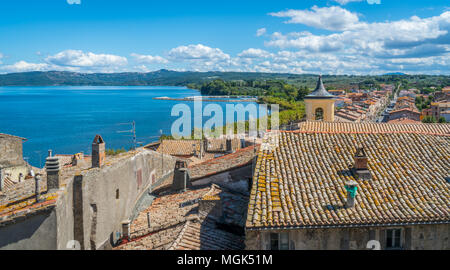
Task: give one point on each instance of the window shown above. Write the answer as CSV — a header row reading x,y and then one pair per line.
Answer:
x,y
319,114
279,241
393,238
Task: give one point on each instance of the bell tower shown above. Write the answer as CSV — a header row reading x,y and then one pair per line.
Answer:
x,y
320,104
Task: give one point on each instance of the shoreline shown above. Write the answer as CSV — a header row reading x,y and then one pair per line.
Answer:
x,y
211,99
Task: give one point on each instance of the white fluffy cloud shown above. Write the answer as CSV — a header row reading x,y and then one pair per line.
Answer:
x,y
77,58
149,59
74,2
261,32
197,52
353,46
330,18
23,66
254,53
374,43
345,2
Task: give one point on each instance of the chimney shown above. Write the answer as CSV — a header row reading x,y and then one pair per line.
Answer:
x,y
351,187
181,176
126,229
53,172
229,146
360,168
1,181
98,152
37,188
202,149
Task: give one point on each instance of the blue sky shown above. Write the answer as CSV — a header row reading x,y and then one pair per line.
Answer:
x,y
301,36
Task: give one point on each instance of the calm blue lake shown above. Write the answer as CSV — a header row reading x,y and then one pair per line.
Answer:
x,y
66,119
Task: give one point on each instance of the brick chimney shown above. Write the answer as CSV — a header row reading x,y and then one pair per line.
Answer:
x,y
53,172
361,168
126,229
98,152
351,187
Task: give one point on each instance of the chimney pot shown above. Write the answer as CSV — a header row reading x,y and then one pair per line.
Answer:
x,y
53,173
181,177
361,168
126,229
37,190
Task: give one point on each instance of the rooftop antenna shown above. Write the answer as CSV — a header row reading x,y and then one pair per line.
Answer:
x,y
132,131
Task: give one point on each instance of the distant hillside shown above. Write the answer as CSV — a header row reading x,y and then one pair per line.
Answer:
x,y
160,77
396,73
195,79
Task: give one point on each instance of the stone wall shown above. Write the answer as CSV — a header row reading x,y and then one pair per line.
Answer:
x,y
415,237
10,151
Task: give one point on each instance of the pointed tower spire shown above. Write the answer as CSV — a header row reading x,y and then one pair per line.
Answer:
x,y
320,91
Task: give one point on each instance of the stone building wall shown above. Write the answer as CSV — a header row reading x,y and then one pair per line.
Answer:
x,y
104,197
10,151
90,206
415,237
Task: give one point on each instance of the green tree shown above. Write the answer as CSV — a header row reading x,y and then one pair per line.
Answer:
x,y
302,93
429,119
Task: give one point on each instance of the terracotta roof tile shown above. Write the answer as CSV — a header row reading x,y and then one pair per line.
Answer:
x,y
300,182
237,159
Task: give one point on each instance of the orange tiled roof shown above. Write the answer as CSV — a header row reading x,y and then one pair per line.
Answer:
x,y
300,182
175,220
220,144
404,121
217,165
211,238
368,127
179,147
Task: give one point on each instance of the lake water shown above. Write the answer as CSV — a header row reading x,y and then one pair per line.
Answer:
x,y
66,119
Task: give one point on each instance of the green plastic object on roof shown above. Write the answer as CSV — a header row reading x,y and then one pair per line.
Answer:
x,y
352,190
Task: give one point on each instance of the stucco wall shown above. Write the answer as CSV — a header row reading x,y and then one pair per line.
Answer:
x,y
109,195
311,105
430,237
30,233
236,179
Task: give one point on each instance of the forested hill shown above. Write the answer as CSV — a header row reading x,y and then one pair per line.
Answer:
x,y
195,79
160,77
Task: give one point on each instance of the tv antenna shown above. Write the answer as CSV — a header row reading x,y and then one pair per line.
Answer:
x,y
132,131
